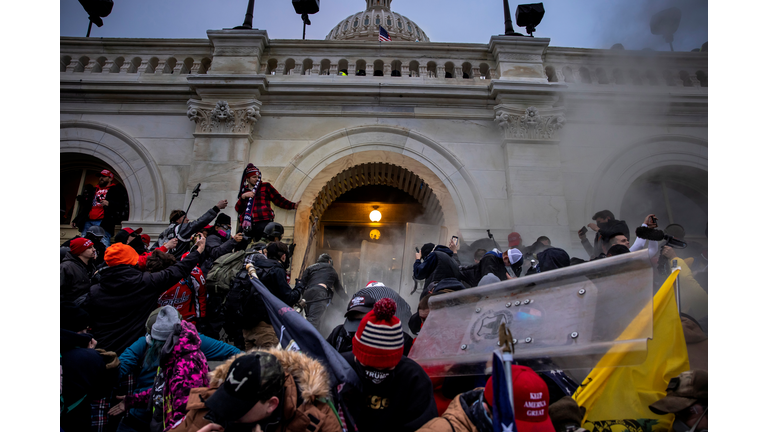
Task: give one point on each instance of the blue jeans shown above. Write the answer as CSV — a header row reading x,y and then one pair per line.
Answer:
x,y
90,223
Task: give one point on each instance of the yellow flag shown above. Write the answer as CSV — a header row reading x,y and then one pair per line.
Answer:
x,y
617,398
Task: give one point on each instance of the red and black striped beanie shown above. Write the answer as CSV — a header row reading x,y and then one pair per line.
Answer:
x,y
378,341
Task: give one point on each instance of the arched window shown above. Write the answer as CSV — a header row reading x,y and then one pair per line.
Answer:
x,y
389,21
367,21
399,24
346,26
378,20
76,171
410,30
355,24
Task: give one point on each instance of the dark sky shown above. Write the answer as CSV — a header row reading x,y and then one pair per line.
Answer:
x,y
570,23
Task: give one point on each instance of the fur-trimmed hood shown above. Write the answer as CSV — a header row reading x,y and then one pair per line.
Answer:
x,y
309,374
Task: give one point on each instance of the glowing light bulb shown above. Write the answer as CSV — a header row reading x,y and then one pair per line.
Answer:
x,y
375,216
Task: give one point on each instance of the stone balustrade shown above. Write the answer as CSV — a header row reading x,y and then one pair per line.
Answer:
x,y
135,56
626,68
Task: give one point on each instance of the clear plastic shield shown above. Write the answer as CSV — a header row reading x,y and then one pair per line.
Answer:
x,y
377,264
570,317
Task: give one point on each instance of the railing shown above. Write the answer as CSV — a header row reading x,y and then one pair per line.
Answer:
x,y
626,68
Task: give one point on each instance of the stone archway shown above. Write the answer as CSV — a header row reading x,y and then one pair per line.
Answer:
x,y
127,156
383,174
626,165
306,175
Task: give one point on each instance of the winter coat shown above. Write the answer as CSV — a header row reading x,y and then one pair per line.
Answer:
x,y
125,296
302,407
403,402
323,273
85,377
184,368
185,231
489,263
272,275
459,417
437,265
215,247
132,359
74,277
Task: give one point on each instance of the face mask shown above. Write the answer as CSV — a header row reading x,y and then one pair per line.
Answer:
x,y
223,233
376,376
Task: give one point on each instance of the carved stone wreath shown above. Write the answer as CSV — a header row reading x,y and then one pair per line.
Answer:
x,y
528,125
223,119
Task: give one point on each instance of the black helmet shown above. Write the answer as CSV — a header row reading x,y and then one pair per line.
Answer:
x,y
274,229
97,231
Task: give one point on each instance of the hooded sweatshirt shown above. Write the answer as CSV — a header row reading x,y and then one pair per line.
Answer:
x,y
125,296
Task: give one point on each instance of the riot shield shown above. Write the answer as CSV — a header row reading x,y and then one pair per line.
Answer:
x,y
376,264
570,317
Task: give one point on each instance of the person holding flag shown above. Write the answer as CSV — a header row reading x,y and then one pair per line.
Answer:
x,y
253,209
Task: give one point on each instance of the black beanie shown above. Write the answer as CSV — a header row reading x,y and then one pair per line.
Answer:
x,y
223,219
427,249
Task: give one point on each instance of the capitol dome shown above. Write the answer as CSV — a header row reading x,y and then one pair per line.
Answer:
x,y
365,25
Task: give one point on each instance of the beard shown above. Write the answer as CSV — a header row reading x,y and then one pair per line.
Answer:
x,y
103,184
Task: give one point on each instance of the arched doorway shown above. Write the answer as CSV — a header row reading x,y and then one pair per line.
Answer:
x,y
677,195
367,246
76,171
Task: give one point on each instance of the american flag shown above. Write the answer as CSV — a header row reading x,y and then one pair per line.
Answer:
x,y
383,35
503,411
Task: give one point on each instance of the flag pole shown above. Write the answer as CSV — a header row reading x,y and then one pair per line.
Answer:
x,y
507,351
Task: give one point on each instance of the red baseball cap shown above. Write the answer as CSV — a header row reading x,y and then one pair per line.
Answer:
x,y
145,239
514,239
79,245
135,232
531,400
107,173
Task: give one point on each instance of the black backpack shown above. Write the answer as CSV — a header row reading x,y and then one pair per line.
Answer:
x,y
240,304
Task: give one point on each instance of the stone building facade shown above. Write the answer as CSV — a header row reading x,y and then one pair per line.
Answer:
x,y
512,135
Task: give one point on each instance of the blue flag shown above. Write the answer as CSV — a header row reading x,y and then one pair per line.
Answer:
x,y
296,333
503,412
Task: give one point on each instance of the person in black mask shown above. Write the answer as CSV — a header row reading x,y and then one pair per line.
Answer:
x,y
605,225
396,393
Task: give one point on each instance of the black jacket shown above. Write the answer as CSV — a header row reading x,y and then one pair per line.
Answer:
x,y
403,402
215,247
116,212
322,273
84,373
437,265
184,232
125,296
74,277
272,275
85,200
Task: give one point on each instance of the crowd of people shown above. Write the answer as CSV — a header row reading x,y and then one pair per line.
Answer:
x,y
173,336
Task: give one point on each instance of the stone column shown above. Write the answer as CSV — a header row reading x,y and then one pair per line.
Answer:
x,y
534,181
519,58
225,111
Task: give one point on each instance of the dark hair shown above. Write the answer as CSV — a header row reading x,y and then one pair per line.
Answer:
x,y
604,214
177,214
276,249
617,249
575,260
159,261
324,258
543,238
612,236
479,254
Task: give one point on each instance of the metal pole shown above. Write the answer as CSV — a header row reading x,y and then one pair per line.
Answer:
x,y
90,24
304,34
508,29
677,287
248,23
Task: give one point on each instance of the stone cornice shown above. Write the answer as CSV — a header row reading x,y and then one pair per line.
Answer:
x,y
238,42
222,118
